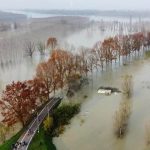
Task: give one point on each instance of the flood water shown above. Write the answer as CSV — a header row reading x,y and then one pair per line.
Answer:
x,y
15,66
92,128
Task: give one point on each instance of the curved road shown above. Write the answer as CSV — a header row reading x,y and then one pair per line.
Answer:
x,y
28,135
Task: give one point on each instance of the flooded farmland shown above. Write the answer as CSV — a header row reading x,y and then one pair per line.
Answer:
x,y
92,128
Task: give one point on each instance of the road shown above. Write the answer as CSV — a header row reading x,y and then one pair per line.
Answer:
x,y
28,135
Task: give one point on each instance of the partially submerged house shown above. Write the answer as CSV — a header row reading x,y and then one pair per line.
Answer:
x,y
104,91
107,90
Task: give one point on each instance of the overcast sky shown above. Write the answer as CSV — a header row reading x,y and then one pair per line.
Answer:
x,y
76,4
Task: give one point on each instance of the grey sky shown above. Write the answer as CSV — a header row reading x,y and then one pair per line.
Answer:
x,y
76,4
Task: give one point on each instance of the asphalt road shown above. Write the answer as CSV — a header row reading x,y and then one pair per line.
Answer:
x,y
28,135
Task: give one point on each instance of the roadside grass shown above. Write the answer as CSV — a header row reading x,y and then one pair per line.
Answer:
x,y
62,116
42,141
7,145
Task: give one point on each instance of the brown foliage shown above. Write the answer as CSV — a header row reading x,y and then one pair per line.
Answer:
x,y
19,99
52,42
47,74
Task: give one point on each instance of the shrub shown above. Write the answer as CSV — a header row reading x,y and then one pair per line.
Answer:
x,y
3,132
64,113
62,116
48,123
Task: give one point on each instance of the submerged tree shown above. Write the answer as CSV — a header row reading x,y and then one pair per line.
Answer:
x,y
121,118
147,134
29,48
108,50
64,66
127,85
52,43
41,48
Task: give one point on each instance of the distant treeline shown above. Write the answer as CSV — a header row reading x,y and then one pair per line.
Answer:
x,y
5,16
109,13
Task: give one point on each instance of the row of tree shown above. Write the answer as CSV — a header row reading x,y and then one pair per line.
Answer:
x,y
114,47
20,99
30,47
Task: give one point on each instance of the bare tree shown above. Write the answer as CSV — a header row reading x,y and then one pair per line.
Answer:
x,y
127,85
29,48
121,118
41,48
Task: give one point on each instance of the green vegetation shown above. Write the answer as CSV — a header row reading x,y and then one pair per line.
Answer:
x,y
64,113
62,116
53,127
48,123
7,145
3,132
147,54
42,141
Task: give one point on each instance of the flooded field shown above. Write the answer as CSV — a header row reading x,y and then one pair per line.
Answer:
x,y
72,35
92,128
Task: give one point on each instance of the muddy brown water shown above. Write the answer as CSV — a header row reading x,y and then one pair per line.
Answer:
x,y
92,128
15,66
